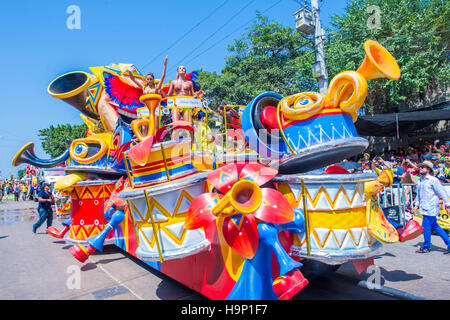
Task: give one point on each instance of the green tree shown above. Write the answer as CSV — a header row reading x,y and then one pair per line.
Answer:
x,y
416,32
268,57
20,173
54,139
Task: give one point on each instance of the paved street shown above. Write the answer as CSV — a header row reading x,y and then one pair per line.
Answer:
x,y
37,266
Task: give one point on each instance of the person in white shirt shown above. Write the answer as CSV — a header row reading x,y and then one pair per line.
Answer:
x,y
429,191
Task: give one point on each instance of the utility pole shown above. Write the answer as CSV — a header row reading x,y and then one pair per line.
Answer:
x,y
309,22
319,36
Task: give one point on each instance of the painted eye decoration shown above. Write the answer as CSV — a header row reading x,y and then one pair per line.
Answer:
x,y
81,150
301,106
91,149
301,103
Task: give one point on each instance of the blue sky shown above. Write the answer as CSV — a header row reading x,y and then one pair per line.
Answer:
x,y
37,47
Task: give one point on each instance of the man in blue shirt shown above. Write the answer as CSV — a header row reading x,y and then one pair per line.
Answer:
x,y
429,191
398,171
45,208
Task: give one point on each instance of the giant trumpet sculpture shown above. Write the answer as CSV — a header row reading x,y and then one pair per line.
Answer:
x,y
314,130
26,155
72,88
348,90
151,101
245,197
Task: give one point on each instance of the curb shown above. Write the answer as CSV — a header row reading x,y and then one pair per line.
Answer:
x,y
387,291
391,292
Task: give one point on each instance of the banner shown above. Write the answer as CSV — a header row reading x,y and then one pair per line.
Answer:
x,y
393,213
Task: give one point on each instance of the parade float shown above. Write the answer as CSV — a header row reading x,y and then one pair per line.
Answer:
x,y
234,229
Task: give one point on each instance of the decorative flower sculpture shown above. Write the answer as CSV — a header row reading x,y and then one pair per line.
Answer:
x,y
242,203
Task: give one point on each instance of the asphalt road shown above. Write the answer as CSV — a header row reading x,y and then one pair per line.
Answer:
x,y
37,266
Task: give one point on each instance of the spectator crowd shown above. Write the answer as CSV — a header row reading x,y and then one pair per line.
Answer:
x,y
405,162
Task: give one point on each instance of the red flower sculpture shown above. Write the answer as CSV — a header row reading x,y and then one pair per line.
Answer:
x,y
242,203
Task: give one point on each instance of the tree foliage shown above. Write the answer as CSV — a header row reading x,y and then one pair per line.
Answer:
x,y
271,57
414,31
20,173
54,139
268,57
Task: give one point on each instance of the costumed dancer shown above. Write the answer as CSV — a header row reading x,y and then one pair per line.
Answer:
x,y
150,87
234,134
181,87
204,138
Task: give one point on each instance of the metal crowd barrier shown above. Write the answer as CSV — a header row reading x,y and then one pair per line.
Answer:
x,y
394,197
400,196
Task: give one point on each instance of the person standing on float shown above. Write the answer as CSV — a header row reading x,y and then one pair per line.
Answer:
x,y
181,87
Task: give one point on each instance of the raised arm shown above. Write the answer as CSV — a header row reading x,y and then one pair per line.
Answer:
x,y
132,78
171,89
161,81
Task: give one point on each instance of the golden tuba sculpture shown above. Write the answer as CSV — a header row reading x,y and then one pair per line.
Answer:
x,y
348,89
144,128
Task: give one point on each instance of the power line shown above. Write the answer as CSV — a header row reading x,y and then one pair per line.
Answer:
x,y
186,33
215,32
235,30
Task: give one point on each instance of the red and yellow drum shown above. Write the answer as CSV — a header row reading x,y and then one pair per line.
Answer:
x,y
87,219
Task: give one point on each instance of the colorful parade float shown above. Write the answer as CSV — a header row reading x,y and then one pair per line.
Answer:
x,y
242,225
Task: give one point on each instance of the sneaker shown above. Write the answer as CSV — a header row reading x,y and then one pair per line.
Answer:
x,y
34,229
423,250
447,252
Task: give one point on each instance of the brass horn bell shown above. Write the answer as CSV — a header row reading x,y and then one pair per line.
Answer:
x,y
26,155
378,63
245,197
72,88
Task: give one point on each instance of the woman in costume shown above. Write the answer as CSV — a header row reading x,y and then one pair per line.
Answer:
x,y
150,87
181,87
